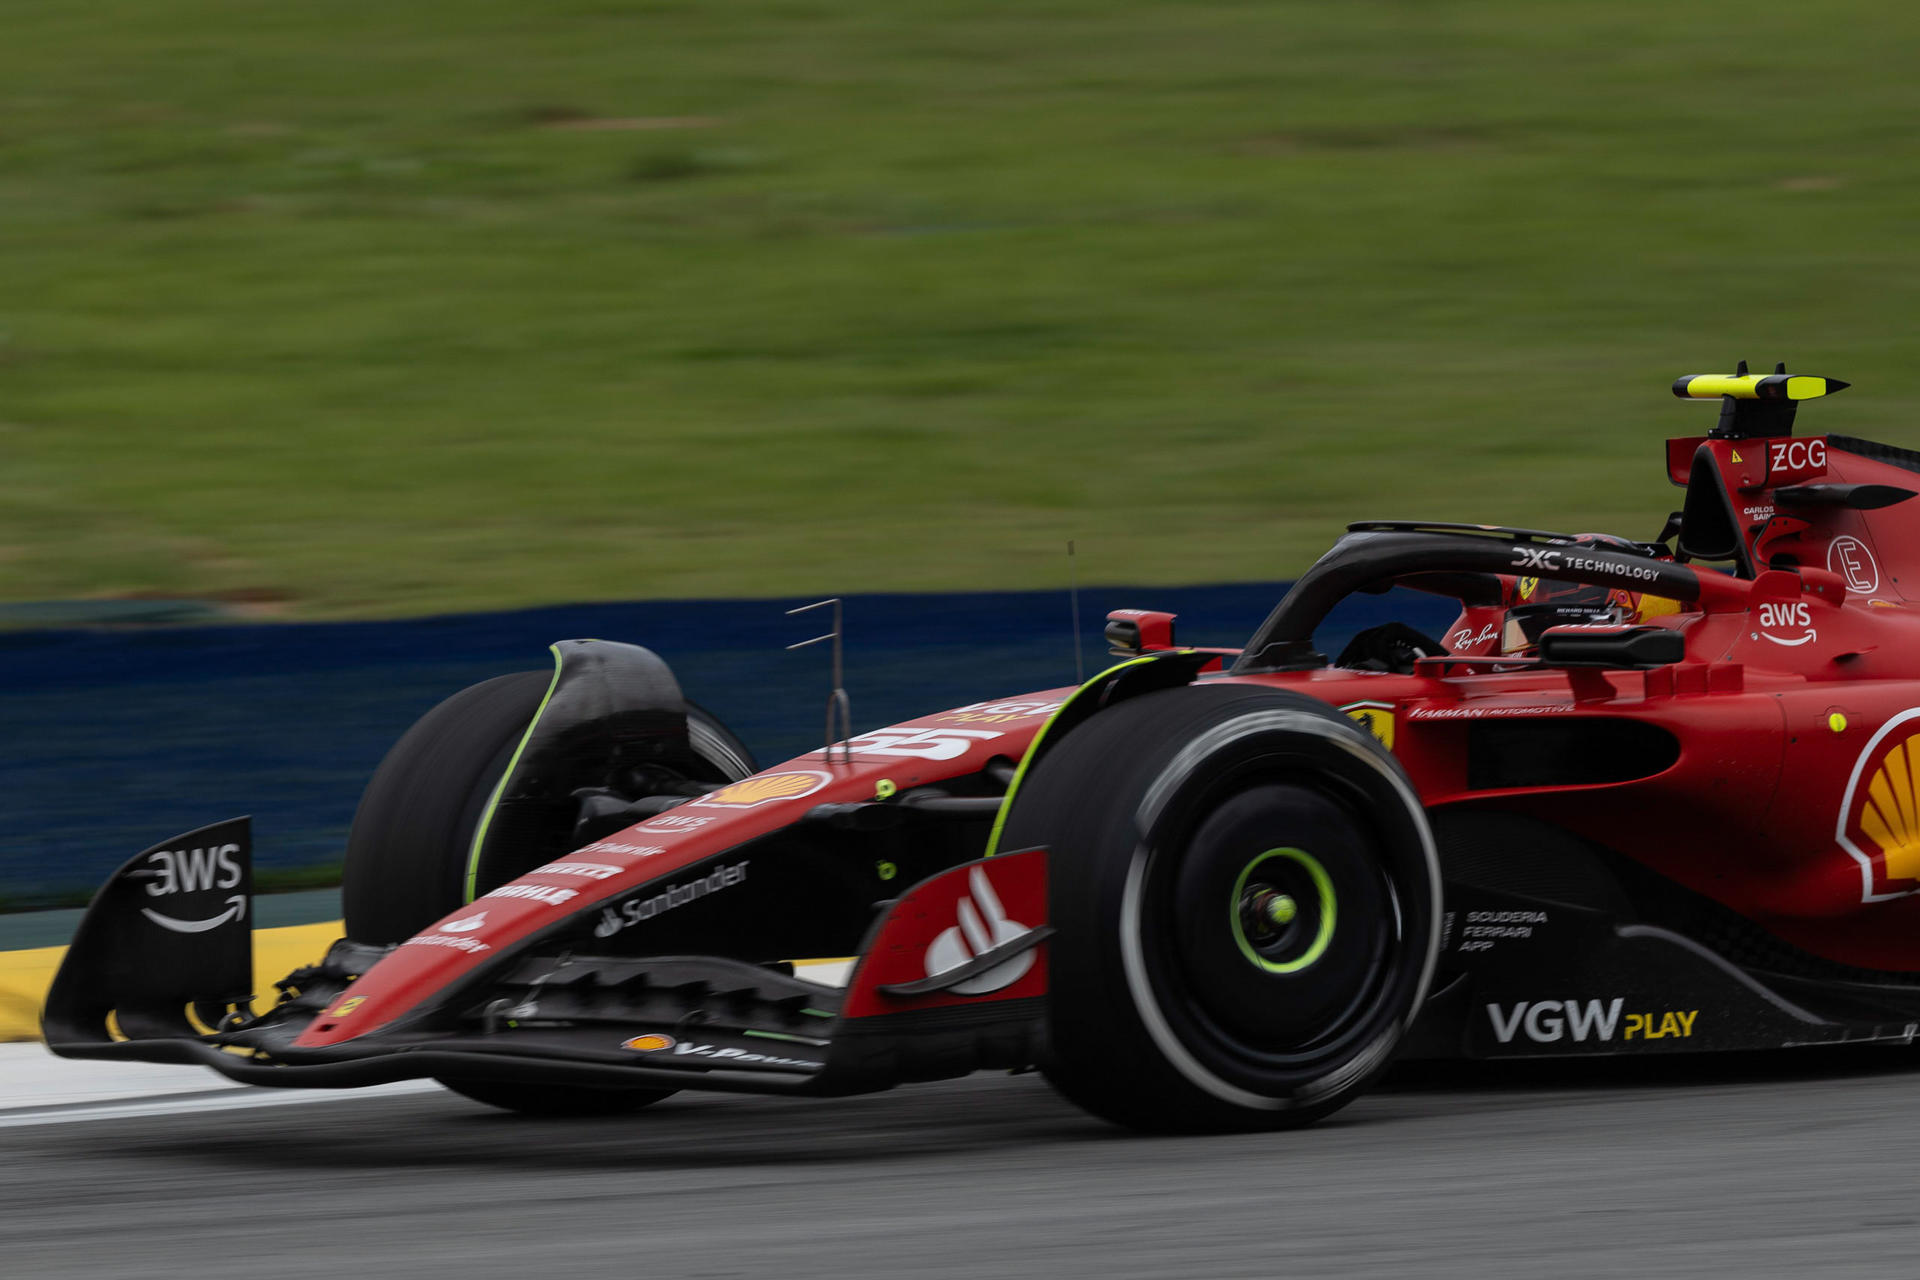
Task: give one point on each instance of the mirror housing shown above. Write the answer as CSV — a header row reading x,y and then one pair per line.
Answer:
x,y
1132,632
1628,647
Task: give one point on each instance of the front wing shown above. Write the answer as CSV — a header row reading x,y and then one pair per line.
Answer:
x,y
951,979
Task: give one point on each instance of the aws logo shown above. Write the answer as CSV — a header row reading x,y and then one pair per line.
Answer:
x,y
1793,619
1879,823
192,871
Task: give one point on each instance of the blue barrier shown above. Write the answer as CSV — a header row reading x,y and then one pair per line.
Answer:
x,y
114,739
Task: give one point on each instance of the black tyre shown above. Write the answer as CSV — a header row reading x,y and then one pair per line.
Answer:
x,y
1247,905
407,853
556,1100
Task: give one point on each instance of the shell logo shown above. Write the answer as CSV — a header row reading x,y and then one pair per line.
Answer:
x,y
764,789
653,1042
1880,813
1890,813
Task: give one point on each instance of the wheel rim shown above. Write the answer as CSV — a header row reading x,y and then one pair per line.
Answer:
x,y
1274,928
1273,952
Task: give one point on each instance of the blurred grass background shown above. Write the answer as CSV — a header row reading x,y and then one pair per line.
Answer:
x,y
366,309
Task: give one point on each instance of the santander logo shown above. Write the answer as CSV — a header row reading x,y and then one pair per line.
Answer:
x,y
466,924
983,925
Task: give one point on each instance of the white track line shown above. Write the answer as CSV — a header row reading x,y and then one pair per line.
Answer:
x,y
237,1097
38,1088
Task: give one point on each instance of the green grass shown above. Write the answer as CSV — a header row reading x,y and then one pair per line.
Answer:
x,y
340,307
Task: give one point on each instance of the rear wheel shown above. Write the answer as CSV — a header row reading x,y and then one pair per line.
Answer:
x,y
1246,901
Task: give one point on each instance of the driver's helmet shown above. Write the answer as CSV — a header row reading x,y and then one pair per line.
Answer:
x,y
1534,604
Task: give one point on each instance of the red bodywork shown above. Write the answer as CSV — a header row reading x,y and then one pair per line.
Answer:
x,y
875,764
1791,800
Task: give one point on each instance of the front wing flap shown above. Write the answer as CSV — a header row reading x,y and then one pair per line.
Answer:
x,y
952,979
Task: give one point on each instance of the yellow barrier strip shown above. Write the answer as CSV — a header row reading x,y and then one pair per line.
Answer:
x,y
26,975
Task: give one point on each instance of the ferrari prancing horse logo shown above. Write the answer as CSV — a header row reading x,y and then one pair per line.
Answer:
x,y
1375,717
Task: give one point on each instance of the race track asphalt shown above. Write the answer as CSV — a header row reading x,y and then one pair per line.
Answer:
x,y
1742,1170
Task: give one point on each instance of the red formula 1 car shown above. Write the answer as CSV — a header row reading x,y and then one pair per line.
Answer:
x,y
1629,804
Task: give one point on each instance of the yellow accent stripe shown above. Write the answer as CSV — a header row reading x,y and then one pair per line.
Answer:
x,y
26,975
499,788
1020,774
1753,386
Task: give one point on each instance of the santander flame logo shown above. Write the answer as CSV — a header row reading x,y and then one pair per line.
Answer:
x,y
983,926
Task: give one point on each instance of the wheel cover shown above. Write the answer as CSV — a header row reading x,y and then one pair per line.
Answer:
x,y
1284,978
1267,910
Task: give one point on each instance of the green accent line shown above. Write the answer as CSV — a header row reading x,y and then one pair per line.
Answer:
x,y
781,1035
819,1013
1321,881
499,788
1033,748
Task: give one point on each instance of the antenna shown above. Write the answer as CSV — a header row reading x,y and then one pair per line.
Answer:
x,y
1073,603
838,704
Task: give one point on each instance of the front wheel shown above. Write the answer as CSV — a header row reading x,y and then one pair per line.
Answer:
x,y
1246,901
408,853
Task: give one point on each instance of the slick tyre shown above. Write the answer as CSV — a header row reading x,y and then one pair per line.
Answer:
x,y
1246,901
407,852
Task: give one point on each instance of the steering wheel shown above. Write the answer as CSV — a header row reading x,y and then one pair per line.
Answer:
x,y
1391,646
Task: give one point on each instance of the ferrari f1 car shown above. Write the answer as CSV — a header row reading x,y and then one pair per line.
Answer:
x,y
1643,797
